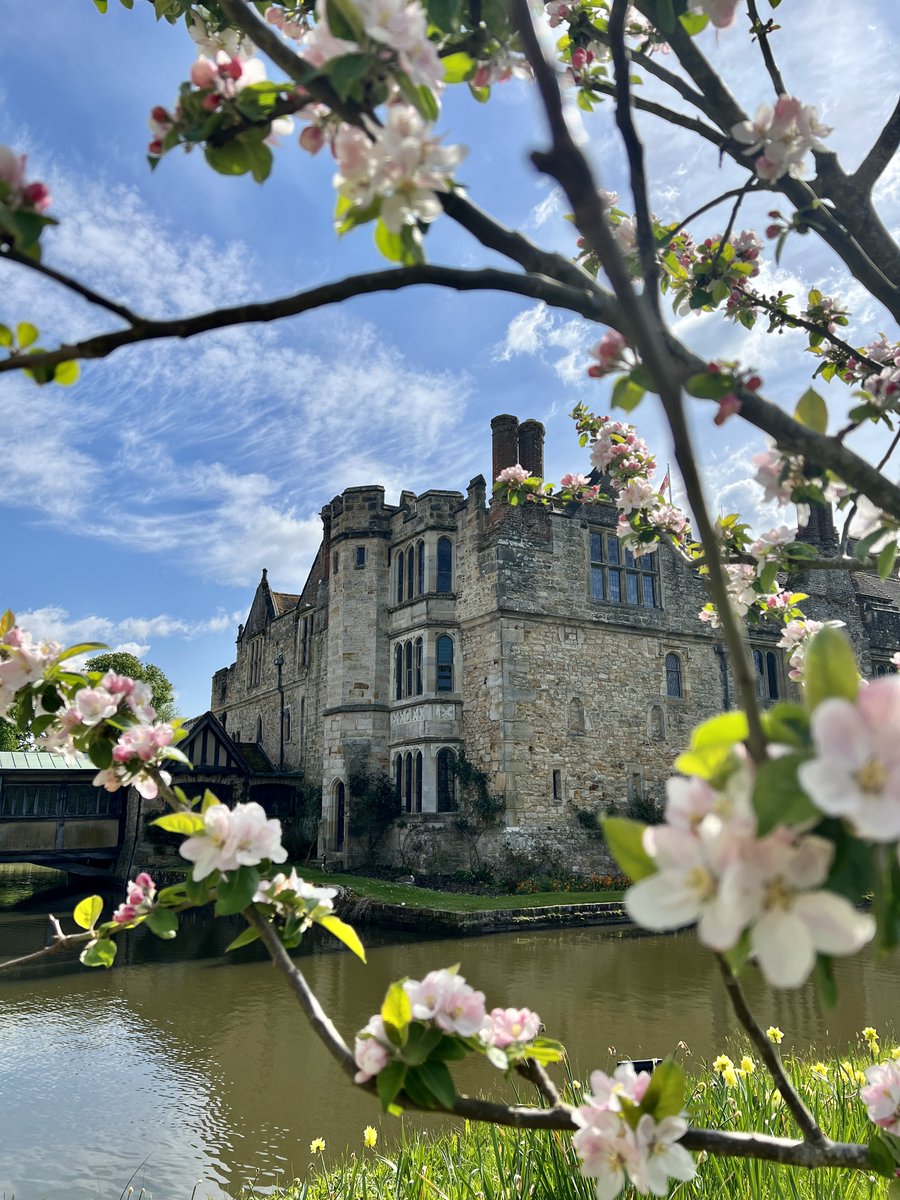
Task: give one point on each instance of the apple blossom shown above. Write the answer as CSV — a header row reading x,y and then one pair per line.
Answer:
x,y
139,897
659,1156
516,474
281,890
720,12
856,771
881,1095
372,1050
232,838
445,998
784,134
512,1026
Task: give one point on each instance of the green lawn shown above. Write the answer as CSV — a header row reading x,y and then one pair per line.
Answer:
x,y
416,897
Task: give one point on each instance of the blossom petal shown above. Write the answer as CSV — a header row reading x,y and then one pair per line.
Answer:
x,y
783,946
835,926
663,901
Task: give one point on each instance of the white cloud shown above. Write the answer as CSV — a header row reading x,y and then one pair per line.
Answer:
x,y
131,634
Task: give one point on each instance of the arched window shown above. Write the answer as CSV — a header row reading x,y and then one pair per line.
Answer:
x,y
410,572
398,779
576,715
408,788
398,671
418,667
772,674
400,561
340,814
444,565
760,673
420,568
224,720
417,807
446,780
259,729
444,661
674,682
409,669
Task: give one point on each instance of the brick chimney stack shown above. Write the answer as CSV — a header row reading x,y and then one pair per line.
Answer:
x,y
504,443
531,447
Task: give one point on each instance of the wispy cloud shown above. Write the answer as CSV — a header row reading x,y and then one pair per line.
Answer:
x,y
134,634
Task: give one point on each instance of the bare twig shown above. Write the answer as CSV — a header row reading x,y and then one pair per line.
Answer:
x,y
854,507
723,240
646,239
812,1134
653,67
61,941
120,310
883,150
762,34
705,208
532,1070
694,124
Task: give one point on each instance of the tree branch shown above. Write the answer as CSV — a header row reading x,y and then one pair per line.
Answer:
x,y
61,941
812,1134
645,238
566,163
590,303
883,150
666,114
10,255
698,212
758,27
649,64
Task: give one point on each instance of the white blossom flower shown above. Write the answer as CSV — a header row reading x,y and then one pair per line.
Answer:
x,y
232,838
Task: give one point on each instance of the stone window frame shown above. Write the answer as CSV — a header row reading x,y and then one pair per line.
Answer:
x,y
409,668
557,785
360,558
882,666
256,659
444,565
259,729
612,567
768,670
674,669
445,797
410,572
444,672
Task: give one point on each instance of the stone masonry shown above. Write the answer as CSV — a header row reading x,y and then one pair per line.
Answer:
x,y
519,636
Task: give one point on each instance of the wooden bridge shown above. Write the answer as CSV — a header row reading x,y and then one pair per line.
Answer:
x,y
52,815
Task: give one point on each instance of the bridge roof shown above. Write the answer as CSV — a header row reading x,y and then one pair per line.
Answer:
x,y
40,760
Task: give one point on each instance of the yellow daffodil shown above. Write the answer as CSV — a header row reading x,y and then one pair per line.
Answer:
x,y
895,1052
775,1098
774,1034
748,1066
820,1070
317,1146
730,1076
370,1136
871,1037
722,1064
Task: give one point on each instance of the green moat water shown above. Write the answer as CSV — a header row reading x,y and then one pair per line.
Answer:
x,y
188,1068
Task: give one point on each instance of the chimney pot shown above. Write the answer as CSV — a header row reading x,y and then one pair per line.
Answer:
x,y
531,447
504,443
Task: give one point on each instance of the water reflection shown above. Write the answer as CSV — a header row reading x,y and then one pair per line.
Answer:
x,y
203,1069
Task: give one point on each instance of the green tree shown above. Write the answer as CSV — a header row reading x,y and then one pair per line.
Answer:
x,y
162,691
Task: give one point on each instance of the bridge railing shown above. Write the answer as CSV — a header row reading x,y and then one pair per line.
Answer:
x,y
62,800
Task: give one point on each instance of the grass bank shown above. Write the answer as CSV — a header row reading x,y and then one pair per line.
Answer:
x,y
482,1162
416,897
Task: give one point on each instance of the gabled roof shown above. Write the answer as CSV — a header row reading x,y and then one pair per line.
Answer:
x,y
283,602
210,748
40,760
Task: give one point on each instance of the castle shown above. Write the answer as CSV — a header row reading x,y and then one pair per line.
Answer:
x,y
528,639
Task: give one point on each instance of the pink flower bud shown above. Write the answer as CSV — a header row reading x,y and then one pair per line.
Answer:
x,y
124,913
772,231
579,58
203,74
312,139
159,114
211,102
231,69
135,897
275,15
482,76
37,195
753,384
144,881
728,406
775,214
155,147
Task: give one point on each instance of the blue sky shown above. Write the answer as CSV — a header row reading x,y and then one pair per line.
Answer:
x,y
139,506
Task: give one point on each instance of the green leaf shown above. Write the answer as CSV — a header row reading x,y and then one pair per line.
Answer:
x,y
725,730
390,245
259,156
197,890
483,94
343,21
812,411
546,1050
420,1043
231,159
6,337
458,67
396,1012
830,668
389,1083
81,648
886,560
778,797
709,385
27,334
348,71
187,823
881,1156
100,754
163,922
788,724
344,933
87,912
886,903
415,1089
694,23
101,5
66,373
209,801
101,953
235,893
243,939
439,1082
625,839
853,872
627,394
664,1096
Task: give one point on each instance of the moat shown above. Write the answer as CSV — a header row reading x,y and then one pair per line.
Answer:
x,y
186,1073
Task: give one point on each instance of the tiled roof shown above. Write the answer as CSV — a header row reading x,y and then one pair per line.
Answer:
x,y
40,760
868,584
283,602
